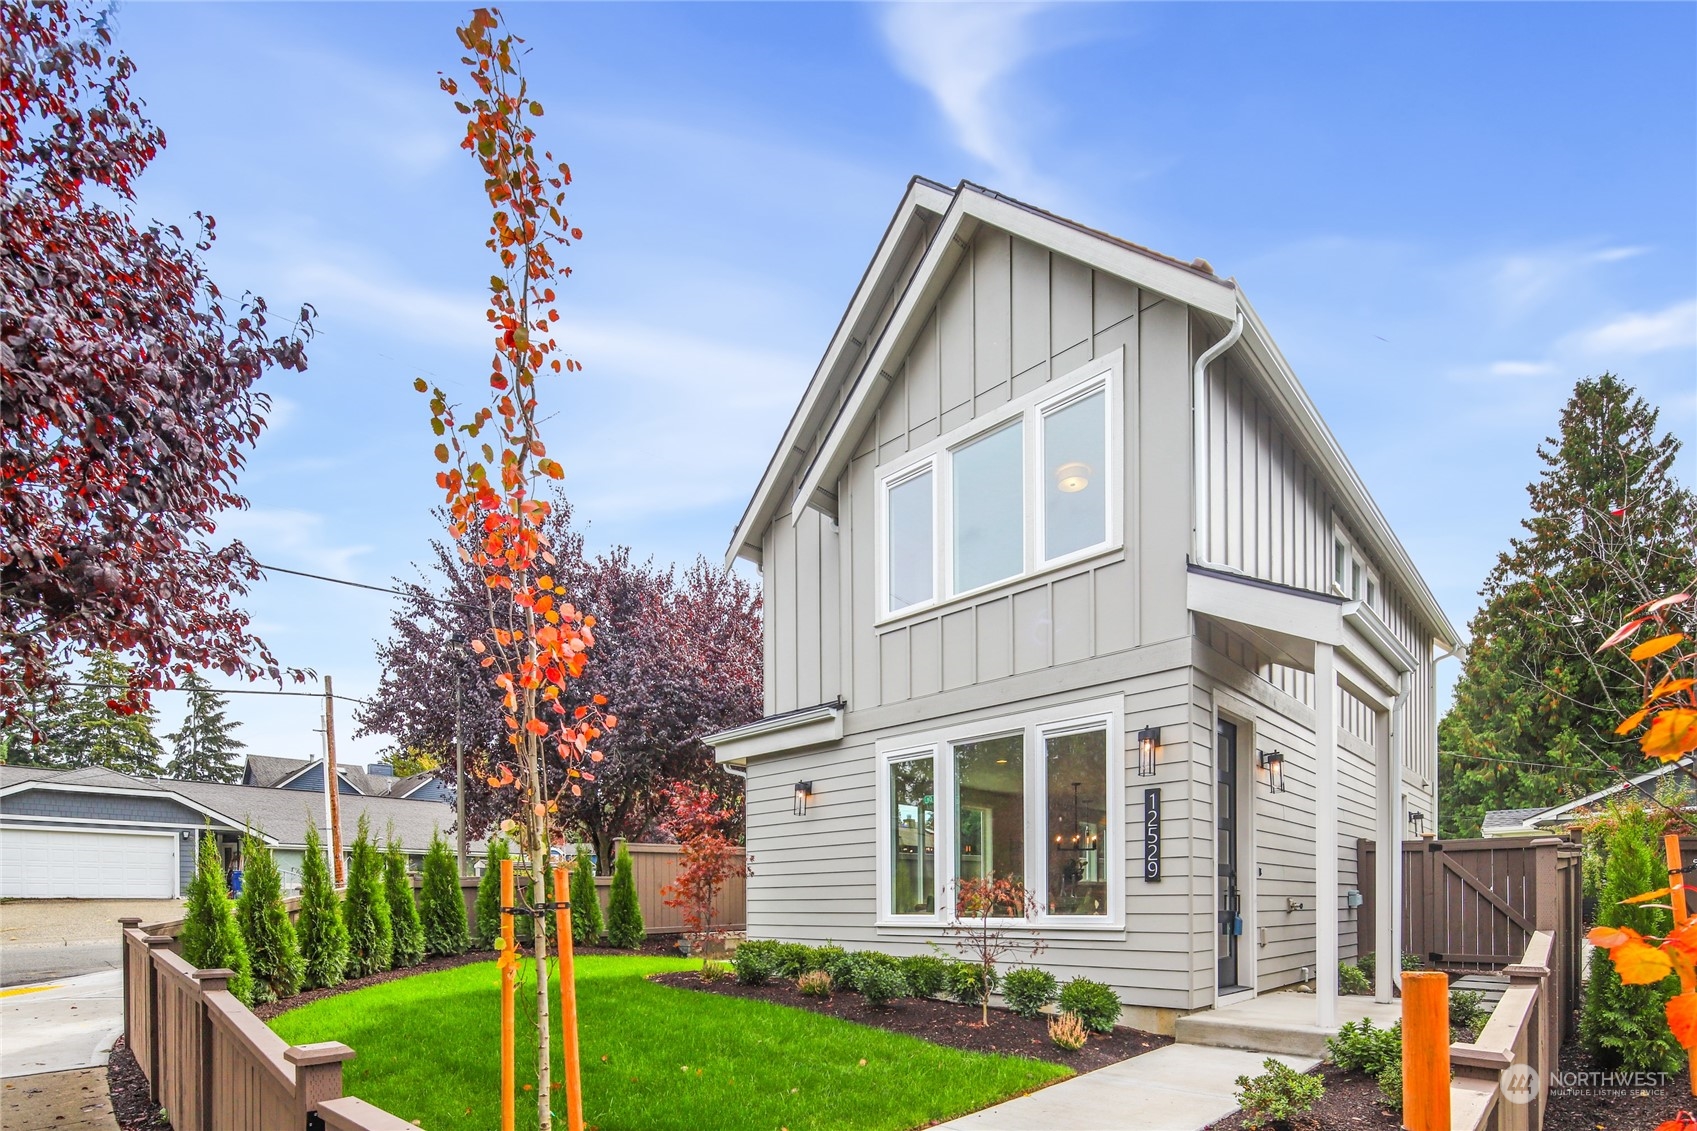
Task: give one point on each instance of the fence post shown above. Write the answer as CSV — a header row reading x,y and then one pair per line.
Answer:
x,y
1545,1033
208,981
125,925
1426,1050
154,943
318,1075
1546,899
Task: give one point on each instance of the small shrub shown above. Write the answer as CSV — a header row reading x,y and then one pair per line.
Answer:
x,y
489,893
1096,1005
323,936
792,959
1467,1008
1352,981
403,909
1029,989
1412,961
814,983
844,968
441,903
210,938
828,958
1368,964
1360,1047
624,914
926,975
1390,1085
586,905
1067,1032
713,970
880,984
756,962
968,982
1278,1096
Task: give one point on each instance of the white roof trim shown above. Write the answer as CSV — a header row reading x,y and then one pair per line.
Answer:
x,y
1687,763
792,730
125,791
921,196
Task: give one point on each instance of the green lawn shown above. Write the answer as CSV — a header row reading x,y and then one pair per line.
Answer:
x,y
654,1057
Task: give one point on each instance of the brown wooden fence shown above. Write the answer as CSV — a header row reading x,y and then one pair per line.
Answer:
x,y
1525,1029
214,1066
1475,905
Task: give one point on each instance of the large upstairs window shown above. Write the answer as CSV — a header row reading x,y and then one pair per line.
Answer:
x,y
1031,486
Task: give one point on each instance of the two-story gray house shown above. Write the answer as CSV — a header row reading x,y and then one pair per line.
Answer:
x,y
1067,581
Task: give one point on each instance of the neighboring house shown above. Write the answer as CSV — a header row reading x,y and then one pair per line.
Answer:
x,y
1673,784
374,780
94,833
1006,636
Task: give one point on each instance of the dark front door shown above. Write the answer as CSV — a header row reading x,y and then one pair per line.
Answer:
x,y
1225,855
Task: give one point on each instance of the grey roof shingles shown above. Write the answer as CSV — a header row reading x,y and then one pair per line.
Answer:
x,y
1509,818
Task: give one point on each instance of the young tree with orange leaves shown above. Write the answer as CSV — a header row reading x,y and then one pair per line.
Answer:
x,y
536,641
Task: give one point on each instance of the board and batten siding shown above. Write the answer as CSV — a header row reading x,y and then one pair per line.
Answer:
x,y
1012,317
814,876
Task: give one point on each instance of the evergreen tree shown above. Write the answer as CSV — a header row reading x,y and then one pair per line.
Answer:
x,y
210,939
323,935
365,910
624,912
1534,713
96,734
403,908
1625,1027
205,749
489,893
40,733
274,955
441,901
586,905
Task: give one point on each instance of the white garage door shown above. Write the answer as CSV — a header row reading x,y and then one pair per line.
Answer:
x,y
62,864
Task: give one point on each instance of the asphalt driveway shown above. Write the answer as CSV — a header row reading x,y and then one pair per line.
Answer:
x,y
43,939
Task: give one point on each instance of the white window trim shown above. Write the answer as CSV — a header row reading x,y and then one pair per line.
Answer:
x,y
1108,372
939,744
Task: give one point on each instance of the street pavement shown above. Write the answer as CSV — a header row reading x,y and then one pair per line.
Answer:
x,y
69,1023
44,939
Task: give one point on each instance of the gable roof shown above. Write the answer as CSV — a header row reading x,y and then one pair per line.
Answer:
x,y
854,375
1646,784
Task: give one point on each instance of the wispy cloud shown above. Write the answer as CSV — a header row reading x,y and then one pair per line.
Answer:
x,y
1524,281
962,55
1521,369
290,537
1636,334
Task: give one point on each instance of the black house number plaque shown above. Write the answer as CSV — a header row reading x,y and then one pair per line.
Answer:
x,y
1151,835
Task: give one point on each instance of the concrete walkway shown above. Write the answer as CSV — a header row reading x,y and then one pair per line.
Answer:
x,y
58,1101
61,1025
1176,1088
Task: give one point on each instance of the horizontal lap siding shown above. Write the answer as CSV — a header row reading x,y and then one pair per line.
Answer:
x,y
815,875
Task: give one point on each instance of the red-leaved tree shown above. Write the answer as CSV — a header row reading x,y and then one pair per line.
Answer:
x,y
128,400
982,931
698,819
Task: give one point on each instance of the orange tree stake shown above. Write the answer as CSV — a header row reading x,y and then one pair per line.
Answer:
x,y
568,1003
508,964
1426,1051
1676,892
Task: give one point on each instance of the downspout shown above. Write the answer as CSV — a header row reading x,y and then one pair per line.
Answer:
x,y
1199,441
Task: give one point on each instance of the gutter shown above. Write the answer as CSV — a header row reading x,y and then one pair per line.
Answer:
x,y
1199,443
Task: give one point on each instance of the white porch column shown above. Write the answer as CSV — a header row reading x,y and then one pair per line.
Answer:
x,y
1326,834
1387,879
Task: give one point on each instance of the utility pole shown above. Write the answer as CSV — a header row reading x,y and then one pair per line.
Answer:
x,y
331,781
459,776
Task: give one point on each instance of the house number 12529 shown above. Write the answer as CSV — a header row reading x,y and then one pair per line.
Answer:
x,y
1151,835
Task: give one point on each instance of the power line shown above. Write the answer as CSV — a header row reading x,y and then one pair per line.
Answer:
x,y
223,691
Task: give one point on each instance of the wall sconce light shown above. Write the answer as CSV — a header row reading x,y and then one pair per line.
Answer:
x,y
1417,819
1072,477
1273,761
1148,742
803,790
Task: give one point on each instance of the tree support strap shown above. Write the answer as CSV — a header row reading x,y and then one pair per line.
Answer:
x,y
539,909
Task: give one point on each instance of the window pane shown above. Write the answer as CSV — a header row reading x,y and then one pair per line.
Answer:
x,y
911,572
989,509
1076,768
1075,487
990,809
913,833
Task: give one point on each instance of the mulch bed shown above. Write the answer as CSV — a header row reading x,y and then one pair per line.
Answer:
x,y
128,1084
1352,1103
1598,1108
943,1022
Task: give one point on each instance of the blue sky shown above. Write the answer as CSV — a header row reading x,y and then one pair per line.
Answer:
x,y
1445,213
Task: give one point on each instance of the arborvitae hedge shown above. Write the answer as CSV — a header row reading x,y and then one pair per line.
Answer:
x,y
274,954
586,906
441,904
371,934
489,894
323,936
624,913
210,938
403,909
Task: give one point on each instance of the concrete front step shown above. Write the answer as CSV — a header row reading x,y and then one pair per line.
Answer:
x,y
1277,1023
